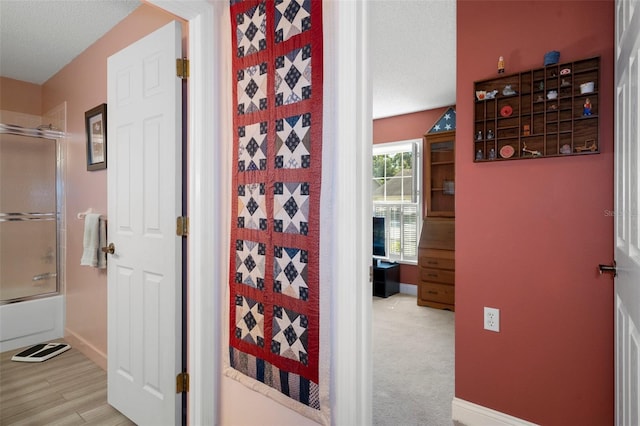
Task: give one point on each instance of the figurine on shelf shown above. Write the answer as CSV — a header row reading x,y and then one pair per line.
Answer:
x,y
565,149
526,130
508,91
586,110
479,155
492,154
479,135
501,65
489,134
533,152
492,94
593,147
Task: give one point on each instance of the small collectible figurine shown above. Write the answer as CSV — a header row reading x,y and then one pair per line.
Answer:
x,y
492,94
501,65
508,91
587,107
533,152
489,134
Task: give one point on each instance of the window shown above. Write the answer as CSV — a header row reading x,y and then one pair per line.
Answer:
x,y
396,196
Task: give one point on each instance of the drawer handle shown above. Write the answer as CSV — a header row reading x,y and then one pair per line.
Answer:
x,y
432,292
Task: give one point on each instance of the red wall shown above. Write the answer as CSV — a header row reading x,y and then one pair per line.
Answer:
x,y
400,128
530,234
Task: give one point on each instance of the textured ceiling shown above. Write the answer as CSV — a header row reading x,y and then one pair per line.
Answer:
x,y
413,55
412,45
40,37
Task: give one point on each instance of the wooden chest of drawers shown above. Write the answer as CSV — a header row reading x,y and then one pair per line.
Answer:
x,y
436,264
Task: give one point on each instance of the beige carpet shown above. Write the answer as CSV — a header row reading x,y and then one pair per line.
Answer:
x,y
413,361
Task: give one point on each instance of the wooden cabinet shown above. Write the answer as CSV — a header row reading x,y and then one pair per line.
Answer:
x,y
545,112
440,173
436,263
436,249
386,279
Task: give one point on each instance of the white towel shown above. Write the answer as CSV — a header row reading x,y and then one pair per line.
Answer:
x,y
102,242
91,241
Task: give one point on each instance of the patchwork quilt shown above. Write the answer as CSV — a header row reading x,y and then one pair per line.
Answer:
x,y
274,286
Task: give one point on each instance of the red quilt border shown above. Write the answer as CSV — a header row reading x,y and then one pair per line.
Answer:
x,y
312,175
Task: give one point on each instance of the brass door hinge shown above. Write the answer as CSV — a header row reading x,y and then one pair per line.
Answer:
x,y
182,226
182,68
182,382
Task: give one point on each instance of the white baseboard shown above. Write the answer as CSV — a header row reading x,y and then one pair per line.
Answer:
x,y
409,289
470,414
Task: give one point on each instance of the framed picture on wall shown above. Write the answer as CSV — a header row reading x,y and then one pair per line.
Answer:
x,y
95,121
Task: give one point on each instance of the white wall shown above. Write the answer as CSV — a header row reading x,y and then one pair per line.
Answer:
x,y
240,406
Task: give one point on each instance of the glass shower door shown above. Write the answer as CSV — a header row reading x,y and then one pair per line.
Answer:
x,y
28,217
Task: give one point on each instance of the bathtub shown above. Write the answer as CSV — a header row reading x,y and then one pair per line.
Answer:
x,y
30,322
32,234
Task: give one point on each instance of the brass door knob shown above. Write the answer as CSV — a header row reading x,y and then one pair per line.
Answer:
x,y
109,249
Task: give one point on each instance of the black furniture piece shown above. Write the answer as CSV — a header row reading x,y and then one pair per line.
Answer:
x,y
386,279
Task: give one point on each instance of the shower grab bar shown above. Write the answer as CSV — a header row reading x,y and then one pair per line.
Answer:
x,y
44,276
17,217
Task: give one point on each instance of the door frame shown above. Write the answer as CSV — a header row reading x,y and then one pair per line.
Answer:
x,y
348,91
626,311
348,124
206,222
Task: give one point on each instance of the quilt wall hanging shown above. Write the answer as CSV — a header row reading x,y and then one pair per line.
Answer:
x,y
274,312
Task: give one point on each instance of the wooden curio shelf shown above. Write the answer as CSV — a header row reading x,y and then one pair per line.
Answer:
x,y
544,112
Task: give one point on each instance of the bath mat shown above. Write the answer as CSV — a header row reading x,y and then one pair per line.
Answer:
x,y
41,352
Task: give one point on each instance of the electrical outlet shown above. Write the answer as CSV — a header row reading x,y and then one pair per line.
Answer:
x,y
492,319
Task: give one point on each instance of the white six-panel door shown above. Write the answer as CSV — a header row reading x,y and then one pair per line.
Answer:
x,y
144,199
627,213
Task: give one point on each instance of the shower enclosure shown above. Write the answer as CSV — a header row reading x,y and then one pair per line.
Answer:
x,y
29,230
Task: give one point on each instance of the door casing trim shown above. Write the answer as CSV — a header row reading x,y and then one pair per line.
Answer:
x,y
210,113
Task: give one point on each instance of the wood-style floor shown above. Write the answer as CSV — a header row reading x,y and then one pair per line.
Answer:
x,y
68,389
